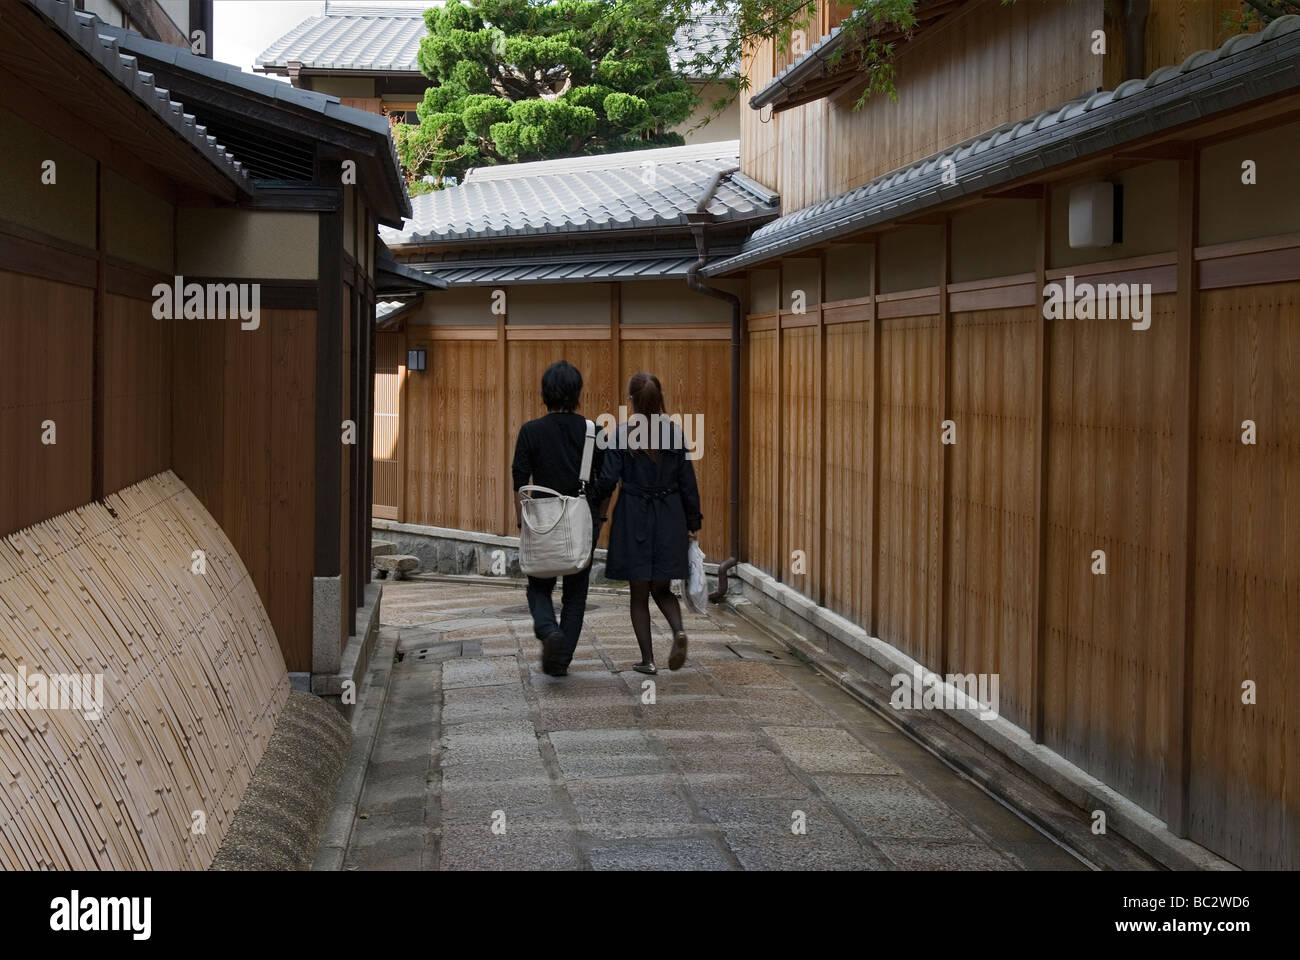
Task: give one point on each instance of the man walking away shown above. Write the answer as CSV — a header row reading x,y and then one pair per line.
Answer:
x,y
548,453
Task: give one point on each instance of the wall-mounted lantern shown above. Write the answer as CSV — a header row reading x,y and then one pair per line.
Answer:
x,y
415,360
1096,215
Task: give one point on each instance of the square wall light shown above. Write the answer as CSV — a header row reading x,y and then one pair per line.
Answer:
x,y
415,360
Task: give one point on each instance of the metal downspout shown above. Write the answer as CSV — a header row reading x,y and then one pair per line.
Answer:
x,y
698,222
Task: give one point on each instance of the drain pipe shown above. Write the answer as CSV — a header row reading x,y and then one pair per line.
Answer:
x,y
698,221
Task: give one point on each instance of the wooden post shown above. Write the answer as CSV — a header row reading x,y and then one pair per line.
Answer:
x,y
1183,534
403,422
873,463
329,378
945,450
615,343
1042,414
99,389
506,526
818,591
778,465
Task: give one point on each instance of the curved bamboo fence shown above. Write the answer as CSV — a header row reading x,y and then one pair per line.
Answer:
x,y
193,681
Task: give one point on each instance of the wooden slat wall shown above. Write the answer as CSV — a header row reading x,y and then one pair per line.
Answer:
x,y
390,373
695,380
174,736
46,360
988,64
1178,28
454,450
458,465
848,414
1245,759
760,476
798,444
138,391
907,550
1104,671
989,535
255,389
1110,487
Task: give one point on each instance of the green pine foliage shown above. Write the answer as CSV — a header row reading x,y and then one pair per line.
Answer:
x,y
521,80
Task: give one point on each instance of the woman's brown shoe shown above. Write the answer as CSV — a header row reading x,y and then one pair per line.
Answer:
x,y
678,655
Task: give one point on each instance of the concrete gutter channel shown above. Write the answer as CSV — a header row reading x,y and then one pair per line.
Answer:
x,y
372,696
1041,786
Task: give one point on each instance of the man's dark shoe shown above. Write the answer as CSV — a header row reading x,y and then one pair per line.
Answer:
x,y
552,654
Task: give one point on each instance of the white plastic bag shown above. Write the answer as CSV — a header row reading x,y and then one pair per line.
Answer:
x,y
696,589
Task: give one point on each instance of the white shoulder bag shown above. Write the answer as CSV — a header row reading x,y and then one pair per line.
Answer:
x,y
555,535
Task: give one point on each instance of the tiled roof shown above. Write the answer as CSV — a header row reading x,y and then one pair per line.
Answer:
x,y
706,35
248,83
583,270
594,259
1246,68
83,30
799,70
386,308
620,191
387,39
380,38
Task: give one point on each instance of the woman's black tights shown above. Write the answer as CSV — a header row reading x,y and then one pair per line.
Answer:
x,y
642,591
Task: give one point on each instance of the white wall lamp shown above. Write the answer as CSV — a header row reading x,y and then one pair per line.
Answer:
x,y
1096,215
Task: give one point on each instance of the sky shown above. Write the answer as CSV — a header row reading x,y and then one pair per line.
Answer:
x,y
242,29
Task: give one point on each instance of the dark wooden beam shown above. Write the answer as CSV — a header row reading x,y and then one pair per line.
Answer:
x,y
1042,431
946,451
99,389
1026,191
329,384
1182,584
152,21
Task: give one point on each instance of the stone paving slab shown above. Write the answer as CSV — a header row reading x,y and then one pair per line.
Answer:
x,y
662,855
482,762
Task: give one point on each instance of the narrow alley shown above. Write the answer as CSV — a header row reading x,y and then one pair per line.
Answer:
x,y
744,759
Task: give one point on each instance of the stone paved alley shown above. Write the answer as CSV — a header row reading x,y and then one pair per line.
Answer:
x,y
579,773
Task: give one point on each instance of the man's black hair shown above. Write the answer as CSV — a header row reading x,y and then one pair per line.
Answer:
x,y
561,386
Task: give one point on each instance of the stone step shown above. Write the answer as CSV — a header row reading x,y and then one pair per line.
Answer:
x,y
399,564
382,548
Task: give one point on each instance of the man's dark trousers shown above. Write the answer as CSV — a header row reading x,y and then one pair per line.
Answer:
x,y
573,606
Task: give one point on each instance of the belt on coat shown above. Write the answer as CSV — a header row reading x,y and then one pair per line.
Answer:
x,y
649,493
649,497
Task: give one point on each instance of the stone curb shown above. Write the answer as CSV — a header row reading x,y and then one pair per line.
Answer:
x,y
367,714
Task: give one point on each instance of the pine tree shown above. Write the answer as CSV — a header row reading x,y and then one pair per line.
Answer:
x,y
519,80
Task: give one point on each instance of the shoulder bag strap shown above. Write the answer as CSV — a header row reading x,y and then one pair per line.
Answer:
x,y
584,475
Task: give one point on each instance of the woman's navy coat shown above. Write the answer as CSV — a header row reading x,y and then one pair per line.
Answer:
x,y
658,503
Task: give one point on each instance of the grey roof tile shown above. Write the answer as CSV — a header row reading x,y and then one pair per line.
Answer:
x,y
388,39
667,267
375,39
638,189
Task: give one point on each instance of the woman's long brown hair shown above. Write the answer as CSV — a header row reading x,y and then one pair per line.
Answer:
x,y
647,395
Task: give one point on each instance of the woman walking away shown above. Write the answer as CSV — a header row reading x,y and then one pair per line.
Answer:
x,y
657,513
548,452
